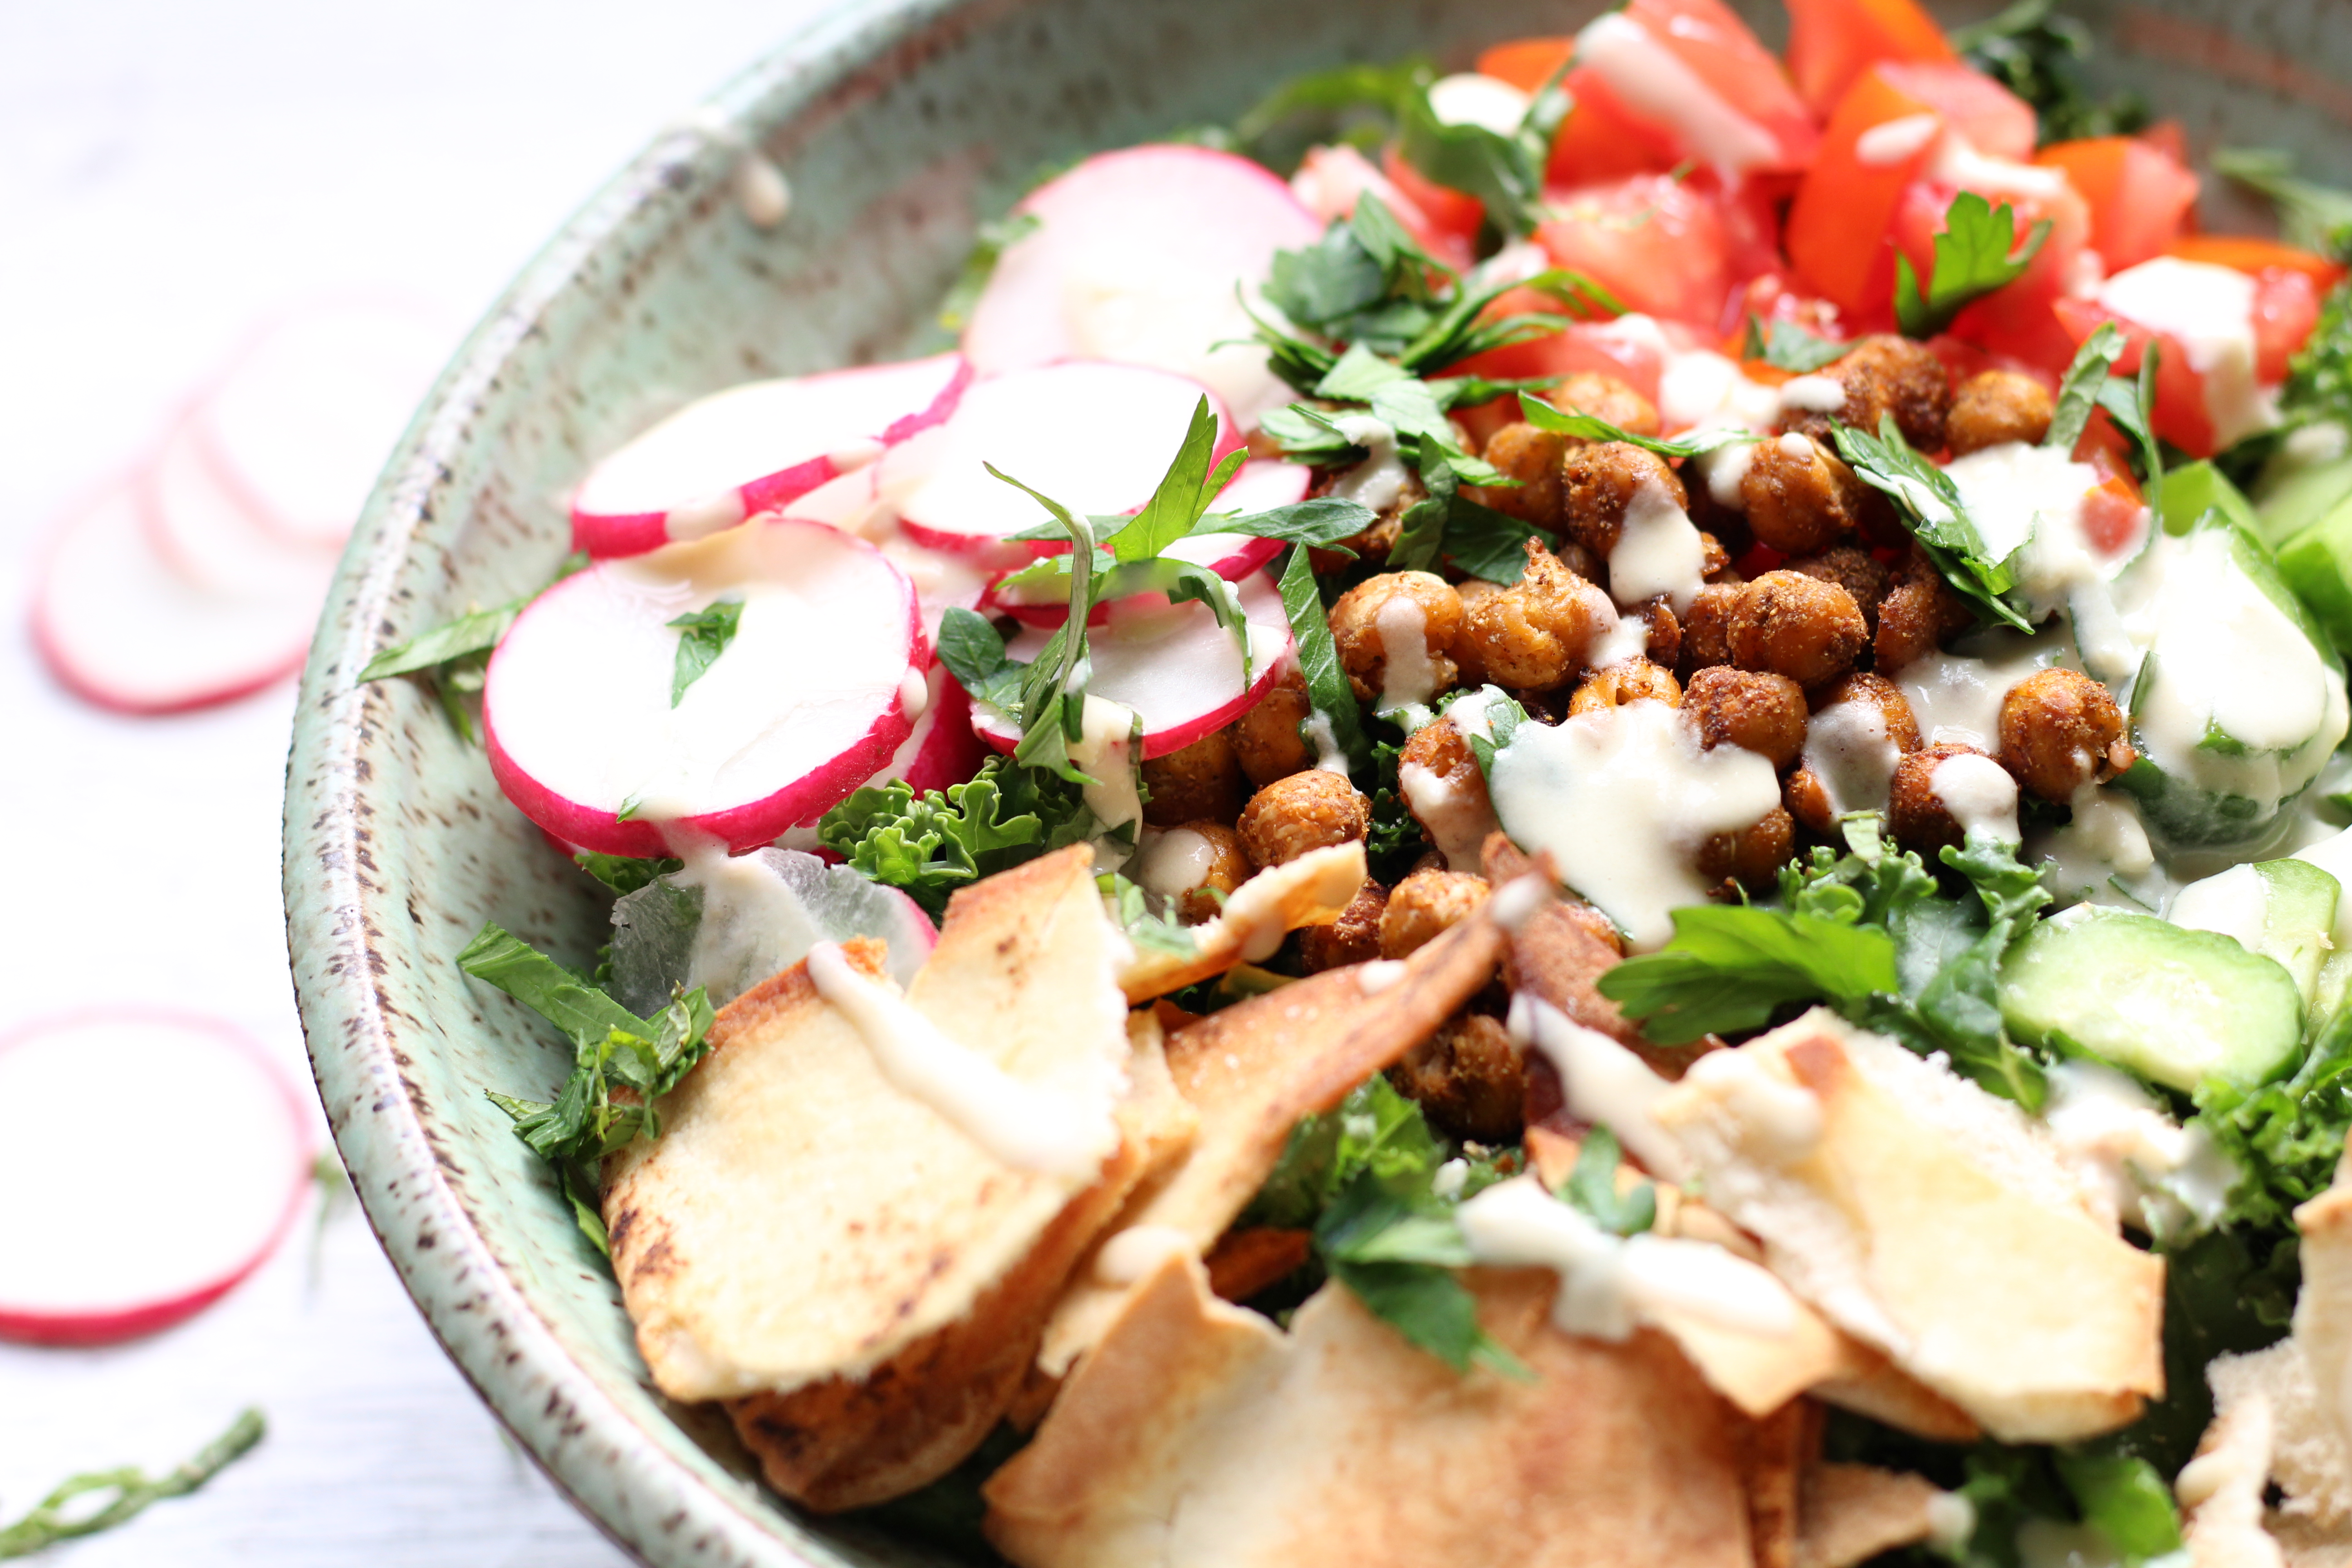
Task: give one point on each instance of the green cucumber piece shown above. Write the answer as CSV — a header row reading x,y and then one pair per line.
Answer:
x,y
2291,498
2283,910
2194,491
2317,562
2176,1006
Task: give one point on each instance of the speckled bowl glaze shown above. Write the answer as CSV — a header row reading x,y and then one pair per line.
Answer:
x,y
898,126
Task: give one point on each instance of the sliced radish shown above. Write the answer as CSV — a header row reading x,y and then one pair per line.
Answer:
x,y
1179,670
181,1180
207,534
1143,255
1260,485
303,420
943,750
117,628
1095,436
816,690
756,448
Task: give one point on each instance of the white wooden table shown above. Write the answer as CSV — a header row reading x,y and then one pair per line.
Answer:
x,y
168,174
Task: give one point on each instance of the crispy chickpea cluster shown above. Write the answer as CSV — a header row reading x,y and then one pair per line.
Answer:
x,y
1885,374
1305,811
1997,406
1535,633
1599,482
1418,611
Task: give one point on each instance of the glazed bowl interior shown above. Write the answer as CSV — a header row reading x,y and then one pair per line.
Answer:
x,y
899,128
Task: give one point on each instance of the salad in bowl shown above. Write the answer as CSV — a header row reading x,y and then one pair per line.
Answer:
x,y
1589,812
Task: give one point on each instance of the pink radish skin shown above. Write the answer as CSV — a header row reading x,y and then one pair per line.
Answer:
x,y
942,750
1086,284
1095,436
756,448
1179,670
121,630
818,689
121,1226
206,534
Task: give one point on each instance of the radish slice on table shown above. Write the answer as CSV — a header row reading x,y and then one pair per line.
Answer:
x,y
819,686
756,448
206,534
117,628
128,1221
1086,284
302,422
1095,436
1179,670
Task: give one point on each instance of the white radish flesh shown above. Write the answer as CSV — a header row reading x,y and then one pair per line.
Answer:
x,y
1173,665
206,533
756,448
119,628
1095,436
1143,255
817,688
192,1159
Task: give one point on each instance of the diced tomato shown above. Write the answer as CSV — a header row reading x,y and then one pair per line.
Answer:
x,y
1656,243
2244,253
2169,137
1526,63
1995,120
1581,346
1708,37
2180,416
1331,179
1601,139
2286,307
1451,214
2110,514
1844,210
1831,42
1773,296
2137,195
1963,360
2015,320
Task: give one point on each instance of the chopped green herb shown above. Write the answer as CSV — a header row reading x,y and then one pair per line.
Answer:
x,y
1791,346
2125,1499
1592,1186
455,657
1929,505
1504,172
702,636
2032,49
1356,104
1977,252
1592,428
1159,933
622,873
1329,697
929,846
2086,378
987,247
55,1518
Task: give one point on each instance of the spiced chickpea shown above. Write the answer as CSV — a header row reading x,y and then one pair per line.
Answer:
x,y
1628,680
1388,523
1469,668
1353,938
1535,633
1424,905
1707,628
1202,780
1754,709
1206,857
1469,1078
1801,499
1916,813
1796,625
1753,856
1446,790
1606,397
1805,795
1309,810
1266,739
1663,645
1417,610
1599,482
1532,456
1995,407
2059,730
1884,373
1914,619
1854,569
1714,559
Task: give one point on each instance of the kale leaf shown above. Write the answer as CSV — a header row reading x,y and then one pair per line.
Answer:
x,y
1004,816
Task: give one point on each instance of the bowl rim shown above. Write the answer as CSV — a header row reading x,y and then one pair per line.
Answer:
x,y
649,1502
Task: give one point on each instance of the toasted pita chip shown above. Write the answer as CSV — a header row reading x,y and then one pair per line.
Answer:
x,y
1199,1436
2221,1490
1308,891
1774,1453
1252,1070
2323,1311
1929,1220
1850,1513
1244,1262
864,1279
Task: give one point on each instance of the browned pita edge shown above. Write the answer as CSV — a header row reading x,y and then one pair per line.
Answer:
x,y
2323,1311
1244,1262
1308,891
1196,1435
1928,1221
2270,1426
1850,1513
1774,1451
1251,1071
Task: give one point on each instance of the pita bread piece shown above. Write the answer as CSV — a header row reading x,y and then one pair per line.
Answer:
x,y
1930,1221
1199,1436
1308,891
1850,1513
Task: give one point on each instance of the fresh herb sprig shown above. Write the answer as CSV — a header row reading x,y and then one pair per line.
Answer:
x,y
1789,346
1929,504
1977,252
2034,50
2311,217
1504,170
702,636
453,658
1592,1186
1592,428
56,1518
1330,699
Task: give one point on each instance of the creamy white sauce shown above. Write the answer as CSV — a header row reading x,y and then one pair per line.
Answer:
x,y
1780,1122
1317,732
1377,481
1106,752
1956,697
1658,551
2105,840
1448,1180
1377,974
1458,819
1812,395
1979,793
1848,749
1063,1129
1624,798
1408,675
1655,85
1469,99
1138,1249
2151,1170
1893,141
1615,637
914,693
2210,312
1171,864
1725,469
2027,502
1603,1083
2234,903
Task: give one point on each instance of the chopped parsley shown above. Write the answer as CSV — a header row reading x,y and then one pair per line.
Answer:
x,y
1929,504
2086,380
1977,252
1592,428
2034,50
453,658
702,636
1506,173
1331,699
1790,346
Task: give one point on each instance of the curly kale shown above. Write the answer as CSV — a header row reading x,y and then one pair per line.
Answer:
x,y
1004,816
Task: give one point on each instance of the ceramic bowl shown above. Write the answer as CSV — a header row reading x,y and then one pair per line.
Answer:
x,y
898,124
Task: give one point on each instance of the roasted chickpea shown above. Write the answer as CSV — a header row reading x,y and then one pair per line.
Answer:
x,y
1606,397
1418,611
1204,858
1628,680
1806,795
1664,643
1917,814
1753,856
1707,628
1353,938
1883,373
1914,619
1202,780
1469,669
1532,457
1446,790
1425,904
1266,741
1801,499
1995,407
1599,482
2059,730
1468,1079
1754,709
1717,560
1309,810
1535,633
1796,625
1373,543
1854,569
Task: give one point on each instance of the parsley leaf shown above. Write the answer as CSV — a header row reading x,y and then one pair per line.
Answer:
x,y
1791,346
1504,172
702,636
2125,1499
1592,1186
1592,428
1977,252
1332,699
1728,968
453,658
1132,908
2312,216
1929,505
1354,104
2086,379
928,847
975,654
2031,49
2132,405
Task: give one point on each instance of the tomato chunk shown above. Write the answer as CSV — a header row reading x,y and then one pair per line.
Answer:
x,y
1601,140
1831,42
2180,412
1840,223
1995,120
1656,243
1453,215
1717,46
2286,308
2137,194
2244,253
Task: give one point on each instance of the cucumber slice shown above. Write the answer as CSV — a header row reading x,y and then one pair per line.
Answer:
x,y
2291,498
2283,910
2317,562
2174,1006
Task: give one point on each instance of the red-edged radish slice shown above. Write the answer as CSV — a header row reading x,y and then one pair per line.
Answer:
x,y
119,628
205,531
1172,663
1095,436
942,750
303,420
1260,485
756,448
816,690
181,1180
1087,285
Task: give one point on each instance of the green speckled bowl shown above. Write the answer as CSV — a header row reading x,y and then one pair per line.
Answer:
x,y
898,126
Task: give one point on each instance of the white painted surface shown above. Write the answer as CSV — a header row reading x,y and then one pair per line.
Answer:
x,y
169,175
